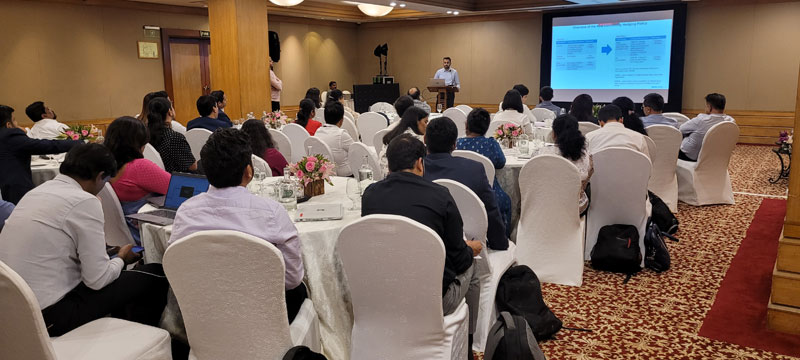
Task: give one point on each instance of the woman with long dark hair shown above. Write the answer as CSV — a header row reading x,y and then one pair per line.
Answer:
x,y
581,108
262,145
305,116
171,145
413,122
629,118
512,109
571,145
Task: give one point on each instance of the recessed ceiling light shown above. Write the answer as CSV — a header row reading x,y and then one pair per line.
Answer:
x,y
449,12
455,13
402,5
392,3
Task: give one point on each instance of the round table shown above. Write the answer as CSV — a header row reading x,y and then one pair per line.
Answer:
x,y
43,170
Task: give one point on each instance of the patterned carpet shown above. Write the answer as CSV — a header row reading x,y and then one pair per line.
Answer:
x,y
658,316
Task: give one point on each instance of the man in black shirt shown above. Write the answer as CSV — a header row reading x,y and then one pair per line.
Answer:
x,y
404,192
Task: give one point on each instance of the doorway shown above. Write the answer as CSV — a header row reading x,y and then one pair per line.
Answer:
x,y
186,70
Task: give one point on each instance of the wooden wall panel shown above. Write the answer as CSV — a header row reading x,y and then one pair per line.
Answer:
x,y
757,127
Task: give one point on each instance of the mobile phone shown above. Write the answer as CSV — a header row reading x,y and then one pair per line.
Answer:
x,y
137,249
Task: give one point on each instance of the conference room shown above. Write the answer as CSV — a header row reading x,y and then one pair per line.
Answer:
x,y
394,179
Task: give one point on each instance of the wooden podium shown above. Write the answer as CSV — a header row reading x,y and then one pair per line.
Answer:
x,y
442,93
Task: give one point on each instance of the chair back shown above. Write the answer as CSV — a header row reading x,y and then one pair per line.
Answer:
x,y
114,225
473,216
297,136
488,167
23,334
395,286
663,180
586,127
350,126
377,140
369,124
348,116
550,230
261,165
619,193
324,97
150,153
282,142
382,107
715,153
315,146
465,108
680,118
543,114
357,153
458,117
230,288
196,139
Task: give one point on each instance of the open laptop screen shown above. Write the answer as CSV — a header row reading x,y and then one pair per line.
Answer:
x,y
183,186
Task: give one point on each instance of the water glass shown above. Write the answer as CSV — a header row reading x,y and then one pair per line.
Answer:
x,y
523,145
439,108
354,193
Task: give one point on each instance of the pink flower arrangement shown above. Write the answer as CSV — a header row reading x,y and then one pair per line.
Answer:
x,y
276,119
80,132
508,131
316,167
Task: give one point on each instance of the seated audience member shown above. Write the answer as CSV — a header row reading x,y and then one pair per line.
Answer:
x,y
306,115
477,125
581,108
338,96
523,91
571,145
440,138
45,125
629,117
545,97
137,178
16,150
337,138
207,107
406,193
227,164
332,85
695,129
262,146
5,211
414,94
400,105
54,240
653,107
513,110
314,94
174,124
222,102
171,145
614,134
413,122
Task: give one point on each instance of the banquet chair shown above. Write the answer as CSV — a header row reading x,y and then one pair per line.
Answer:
x,y
348,116
319,114
196,139
282,143
324,97
458,117
114,225
315,146
350,126
545,115
357,153
707,181
231,290
382,107
586,127
150,153
377,140
297,136
368,124
550,230
395,281
466,109
663,180
23,333
680,118
619,193
491,264
488,166
260,165
495,124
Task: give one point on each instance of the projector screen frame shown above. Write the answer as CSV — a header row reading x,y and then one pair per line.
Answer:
x,y
678,47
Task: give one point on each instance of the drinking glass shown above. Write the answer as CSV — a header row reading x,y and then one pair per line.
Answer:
x,y
439,108
354,193
523,145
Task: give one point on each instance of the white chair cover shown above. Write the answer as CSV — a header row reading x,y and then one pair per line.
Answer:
x,y
319,114
150,153
23,334
230,288
396,290
543,114
347,115
358,151
368,124
707,181
458,117
316,146
377,140
495,124
488,167
196,139
619,193
324,97
282,143
464,108
663,180
586,127
350,126
297,136
381,106
114,225
550,231
261,165
680,118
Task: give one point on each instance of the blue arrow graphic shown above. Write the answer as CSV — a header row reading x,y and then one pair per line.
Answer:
x,y
606,49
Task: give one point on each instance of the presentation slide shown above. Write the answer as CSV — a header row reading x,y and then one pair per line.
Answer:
x,y
613,55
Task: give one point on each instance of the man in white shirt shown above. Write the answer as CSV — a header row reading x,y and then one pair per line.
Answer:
x,y
614,134
695,129
54,240
45,125
337,138
653,107
450,77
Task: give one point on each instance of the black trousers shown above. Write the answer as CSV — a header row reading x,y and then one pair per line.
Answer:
x,y
451,98
294,300
138,295
276,105
682,156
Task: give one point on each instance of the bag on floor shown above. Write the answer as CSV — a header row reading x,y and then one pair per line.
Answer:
x,y
511,338
662,216
520,293
303,353
655,248
617,250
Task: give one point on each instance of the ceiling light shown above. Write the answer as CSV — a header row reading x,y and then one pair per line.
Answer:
x,y
374,10
392,3
286,2
403,5
455,13
449,12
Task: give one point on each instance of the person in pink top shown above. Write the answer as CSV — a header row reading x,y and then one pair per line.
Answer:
x,y
262,145
137,178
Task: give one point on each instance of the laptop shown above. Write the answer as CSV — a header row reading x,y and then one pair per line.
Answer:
x,y
181,187
436,83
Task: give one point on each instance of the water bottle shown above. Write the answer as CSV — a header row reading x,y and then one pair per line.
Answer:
x,y
365,176
286,192
523,145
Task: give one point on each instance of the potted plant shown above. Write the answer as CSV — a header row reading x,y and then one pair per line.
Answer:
x,y
313,171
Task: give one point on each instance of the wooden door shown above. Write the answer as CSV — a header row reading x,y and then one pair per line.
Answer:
x,y
188,75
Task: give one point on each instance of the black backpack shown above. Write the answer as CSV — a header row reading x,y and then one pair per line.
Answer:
x,y
520,293
511,338
661,215
655,248
302,353
617,249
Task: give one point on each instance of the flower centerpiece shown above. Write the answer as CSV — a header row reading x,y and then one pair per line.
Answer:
x,y
276,119
508,132
80,132
785,140
312,171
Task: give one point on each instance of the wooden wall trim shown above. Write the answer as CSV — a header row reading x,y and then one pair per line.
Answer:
x,y
757,127
447,19
793,200
135,5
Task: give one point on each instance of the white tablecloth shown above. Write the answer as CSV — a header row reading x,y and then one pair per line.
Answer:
x,y
43,170
324,274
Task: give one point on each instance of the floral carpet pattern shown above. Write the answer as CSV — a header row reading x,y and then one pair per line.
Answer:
x,y
658,316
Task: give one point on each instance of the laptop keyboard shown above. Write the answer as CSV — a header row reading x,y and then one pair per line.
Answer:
x,y
169,214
